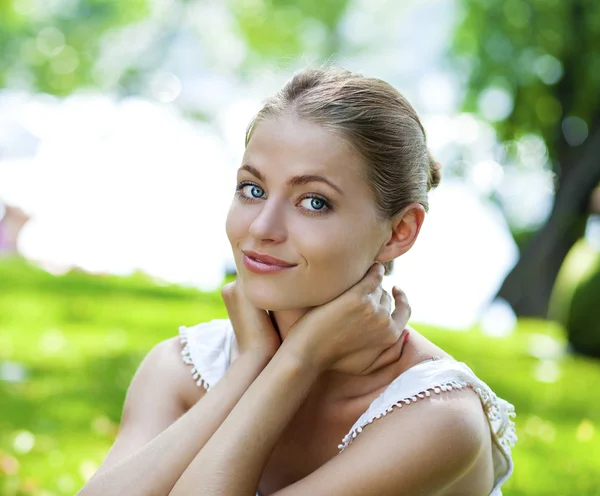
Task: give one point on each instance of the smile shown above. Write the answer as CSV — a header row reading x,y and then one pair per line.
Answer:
x,y
264,264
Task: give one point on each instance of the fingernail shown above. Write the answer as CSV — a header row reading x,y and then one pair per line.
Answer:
x,y
405,337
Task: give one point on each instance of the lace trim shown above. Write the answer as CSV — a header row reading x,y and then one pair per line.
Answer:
x,y
499,413
187,358
449,386
500,418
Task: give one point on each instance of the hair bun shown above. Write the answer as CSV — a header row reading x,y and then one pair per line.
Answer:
x,y
435,172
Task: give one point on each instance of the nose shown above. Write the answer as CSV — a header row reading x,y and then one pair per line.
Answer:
x,y
269,224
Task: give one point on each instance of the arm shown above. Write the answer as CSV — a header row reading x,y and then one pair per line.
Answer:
x,y
157,439
416,450
347,335
232,461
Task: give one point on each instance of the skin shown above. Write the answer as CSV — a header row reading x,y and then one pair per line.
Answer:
x,y
333,349
331,252
333,241
332,249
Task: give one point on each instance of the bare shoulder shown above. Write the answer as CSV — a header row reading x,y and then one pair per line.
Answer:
x,y
165,365
438,445
454,419
419,348
163,382
448,440
161,391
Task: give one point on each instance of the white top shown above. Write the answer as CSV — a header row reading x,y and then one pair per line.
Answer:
x,y
210,347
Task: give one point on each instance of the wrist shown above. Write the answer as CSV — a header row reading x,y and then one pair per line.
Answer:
x,y
302,356
254,357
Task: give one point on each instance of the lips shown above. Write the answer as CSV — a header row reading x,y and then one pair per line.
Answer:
x,y
267,259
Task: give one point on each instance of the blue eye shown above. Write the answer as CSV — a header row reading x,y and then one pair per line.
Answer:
x,y
310,205
316,205
255,191
250,190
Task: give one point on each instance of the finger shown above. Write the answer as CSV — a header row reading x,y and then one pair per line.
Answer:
x,y
402,311
386,301
377,295
388,356
227,290
372,279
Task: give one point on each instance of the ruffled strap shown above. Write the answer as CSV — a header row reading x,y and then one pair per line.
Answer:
x,y
436,377
207,347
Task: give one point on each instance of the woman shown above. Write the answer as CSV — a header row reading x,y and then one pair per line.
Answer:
x,y
332,188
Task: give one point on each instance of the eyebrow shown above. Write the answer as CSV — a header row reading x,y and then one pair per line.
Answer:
x,y
296,180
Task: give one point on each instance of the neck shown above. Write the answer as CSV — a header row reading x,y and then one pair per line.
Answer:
x,y
285,319
329,382
335,386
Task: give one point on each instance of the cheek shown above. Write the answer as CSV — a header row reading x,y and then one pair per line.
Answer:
x,y
340,256
237,223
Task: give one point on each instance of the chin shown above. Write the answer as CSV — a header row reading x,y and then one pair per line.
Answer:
x,y
272,297
271,302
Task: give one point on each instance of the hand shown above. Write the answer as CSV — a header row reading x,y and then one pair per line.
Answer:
x,y
254,330
400,316
355,332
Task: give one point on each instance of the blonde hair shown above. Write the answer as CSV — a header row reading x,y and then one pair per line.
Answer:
x,y
378,124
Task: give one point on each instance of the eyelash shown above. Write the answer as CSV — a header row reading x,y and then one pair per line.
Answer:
x,y
327,205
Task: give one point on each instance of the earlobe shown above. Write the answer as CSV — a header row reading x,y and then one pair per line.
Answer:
x,y
404,230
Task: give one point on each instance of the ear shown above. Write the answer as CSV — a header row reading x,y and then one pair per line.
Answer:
x,y
403,232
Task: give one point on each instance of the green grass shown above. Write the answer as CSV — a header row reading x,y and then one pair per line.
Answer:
x,y
79,339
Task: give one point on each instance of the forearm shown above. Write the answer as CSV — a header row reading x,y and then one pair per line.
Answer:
x,y
154,469
232,461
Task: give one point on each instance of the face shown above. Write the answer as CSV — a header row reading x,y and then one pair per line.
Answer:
x,y
301,199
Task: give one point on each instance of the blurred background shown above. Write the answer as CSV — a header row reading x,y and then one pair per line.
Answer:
x,y
121,127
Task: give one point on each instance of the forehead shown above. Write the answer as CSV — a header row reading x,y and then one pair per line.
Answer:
x,y
288,146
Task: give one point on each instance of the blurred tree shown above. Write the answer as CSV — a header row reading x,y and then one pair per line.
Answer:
x,y
55,46
543,58
582,320
276,29
52,46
